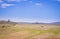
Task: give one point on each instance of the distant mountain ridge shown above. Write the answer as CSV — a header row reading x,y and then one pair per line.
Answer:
x,y
37,23
56,23
7,22
10,22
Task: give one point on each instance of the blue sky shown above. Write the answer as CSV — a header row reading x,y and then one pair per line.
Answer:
x,y
30,10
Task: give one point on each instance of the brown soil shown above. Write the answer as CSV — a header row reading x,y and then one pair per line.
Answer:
x,y
17,35
42,36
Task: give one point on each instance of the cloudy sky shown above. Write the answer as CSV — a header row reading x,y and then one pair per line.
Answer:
x,y
30,10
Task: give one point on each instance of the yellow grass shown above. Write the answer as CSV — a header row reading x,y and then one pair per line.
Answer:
x,y
28,31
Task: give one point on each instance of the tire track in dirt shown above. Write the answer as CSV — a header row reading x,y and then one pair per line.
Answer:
x,y
42,36
17,35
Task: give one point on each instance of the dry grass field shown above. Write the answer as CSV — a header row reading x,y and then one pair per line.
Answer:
x,y
29,31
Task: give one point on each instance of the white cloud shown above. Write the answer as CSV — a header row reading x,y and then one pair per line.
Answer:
x,y
1,1
58,0
30,2
14,0
4,5
24,0
38,4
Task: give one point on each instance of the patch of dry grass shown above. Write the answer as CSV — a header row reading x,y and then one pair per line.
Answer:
x,y
28,31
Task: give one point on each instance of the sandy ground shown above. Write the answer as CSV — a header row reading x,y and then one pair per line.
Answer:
x,y
24,34
17,35
42,36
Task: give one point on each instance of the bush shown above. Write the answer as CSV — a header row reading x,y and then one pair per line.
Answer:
x,y
3,26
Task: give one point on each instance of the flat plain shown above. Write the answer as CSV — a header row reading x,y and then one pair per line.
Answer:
x,y
30,31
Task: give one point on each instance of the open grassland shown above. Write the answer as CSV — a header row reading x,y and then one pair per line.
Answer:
x,y
29,31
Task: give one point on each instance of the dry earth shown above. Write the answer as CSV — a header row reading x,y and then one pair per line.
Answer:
x,y
25,34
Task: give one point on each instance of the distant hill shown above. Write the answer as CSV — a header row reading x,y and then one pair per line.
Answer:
x,y
10,22
37,23
7,22
56,23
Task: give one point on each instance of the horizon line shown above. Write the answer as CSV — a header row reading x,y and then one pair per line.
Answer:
x,y
32,21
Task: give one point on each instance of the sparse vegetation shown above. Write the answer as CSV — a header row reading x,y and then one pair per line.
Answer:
x,y
27,30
